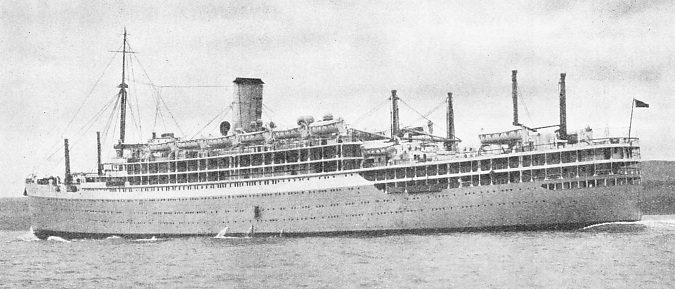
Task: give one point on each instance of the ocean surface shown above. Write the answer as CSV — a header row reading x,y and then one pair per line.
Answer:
x,y
613,255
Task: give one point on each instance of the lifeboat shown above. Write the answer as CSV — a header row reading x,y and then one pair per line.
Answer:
x,y
253,137
286,134
378,151
502,137
188,145
158,147
325,128
221,142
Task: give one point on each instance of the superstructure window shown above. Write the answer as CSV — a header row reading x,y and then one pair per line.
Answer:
x,y
315,153
513,162
421,171
453,168
256,160
465,167
538,160
569,157
292,156
244,160
485,165
485,180
192,165
330,166
329,152
552,158
499,164
181,166
442,169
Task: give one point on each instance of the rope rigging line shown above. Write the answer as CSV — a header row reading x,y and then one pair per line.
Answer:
x,y
371,111
527,112
56,144
157,112
430,112
217,116
413,109
108,123
75,142
159,96
88,124
272,113
139,125
89,94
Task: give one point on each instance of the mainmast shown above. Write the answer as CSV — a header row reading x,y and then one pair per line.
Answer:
x,y
123,92
394,115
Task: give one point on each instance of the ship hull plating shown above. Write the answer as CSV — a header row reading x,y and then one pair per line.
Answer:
x,y
361,209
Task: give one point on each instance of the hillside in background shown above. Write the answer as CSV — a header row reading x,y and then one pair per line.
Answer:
x,y
14,215
659,183
658,180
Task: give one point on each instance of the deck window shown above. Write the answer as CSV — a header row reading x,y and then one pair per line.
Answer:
x,y
569,172
391,174
514,162
431,170
514,177
569,157
315,153
603,169
485,165
485,180
330,166
500,164
410,172
400,173
474,166
192,165
552,158
526,176
538,175
453,183
329,152
442,169
453,168
538,160
465,167
421,171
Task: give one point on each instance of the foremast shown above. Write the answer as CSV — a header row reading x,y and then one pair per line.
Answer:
x,y
122,95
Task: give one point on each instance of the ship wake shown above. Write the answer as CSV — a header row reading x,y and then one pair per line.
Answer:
x,y
637,226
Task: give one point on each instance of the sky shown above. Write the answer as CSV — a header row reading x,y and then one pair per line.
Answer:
x,y
60,77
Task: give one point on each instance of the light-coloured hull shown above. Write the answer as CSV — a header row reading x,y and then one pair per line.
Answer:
x,y
321,207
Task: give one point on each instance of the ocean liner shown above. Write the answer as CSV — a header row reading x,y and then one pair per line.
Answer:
x,y
323,177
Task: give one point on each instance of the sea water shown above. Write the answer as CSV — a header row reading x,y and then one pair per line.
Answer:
x,y
612,255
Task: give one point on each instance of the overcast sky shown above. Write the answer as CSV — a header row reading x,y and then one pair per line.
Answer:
x,y
315,57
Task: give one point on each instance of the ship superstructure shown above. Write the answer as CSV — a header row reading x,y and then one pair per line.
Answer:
x,y
324,177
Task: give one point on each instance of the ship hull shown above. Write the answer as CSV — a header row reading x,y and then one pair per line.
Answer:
x,y
308,209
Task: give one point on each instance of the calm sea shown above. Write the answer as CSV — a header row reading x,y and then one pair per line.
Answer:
x,y
615,255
